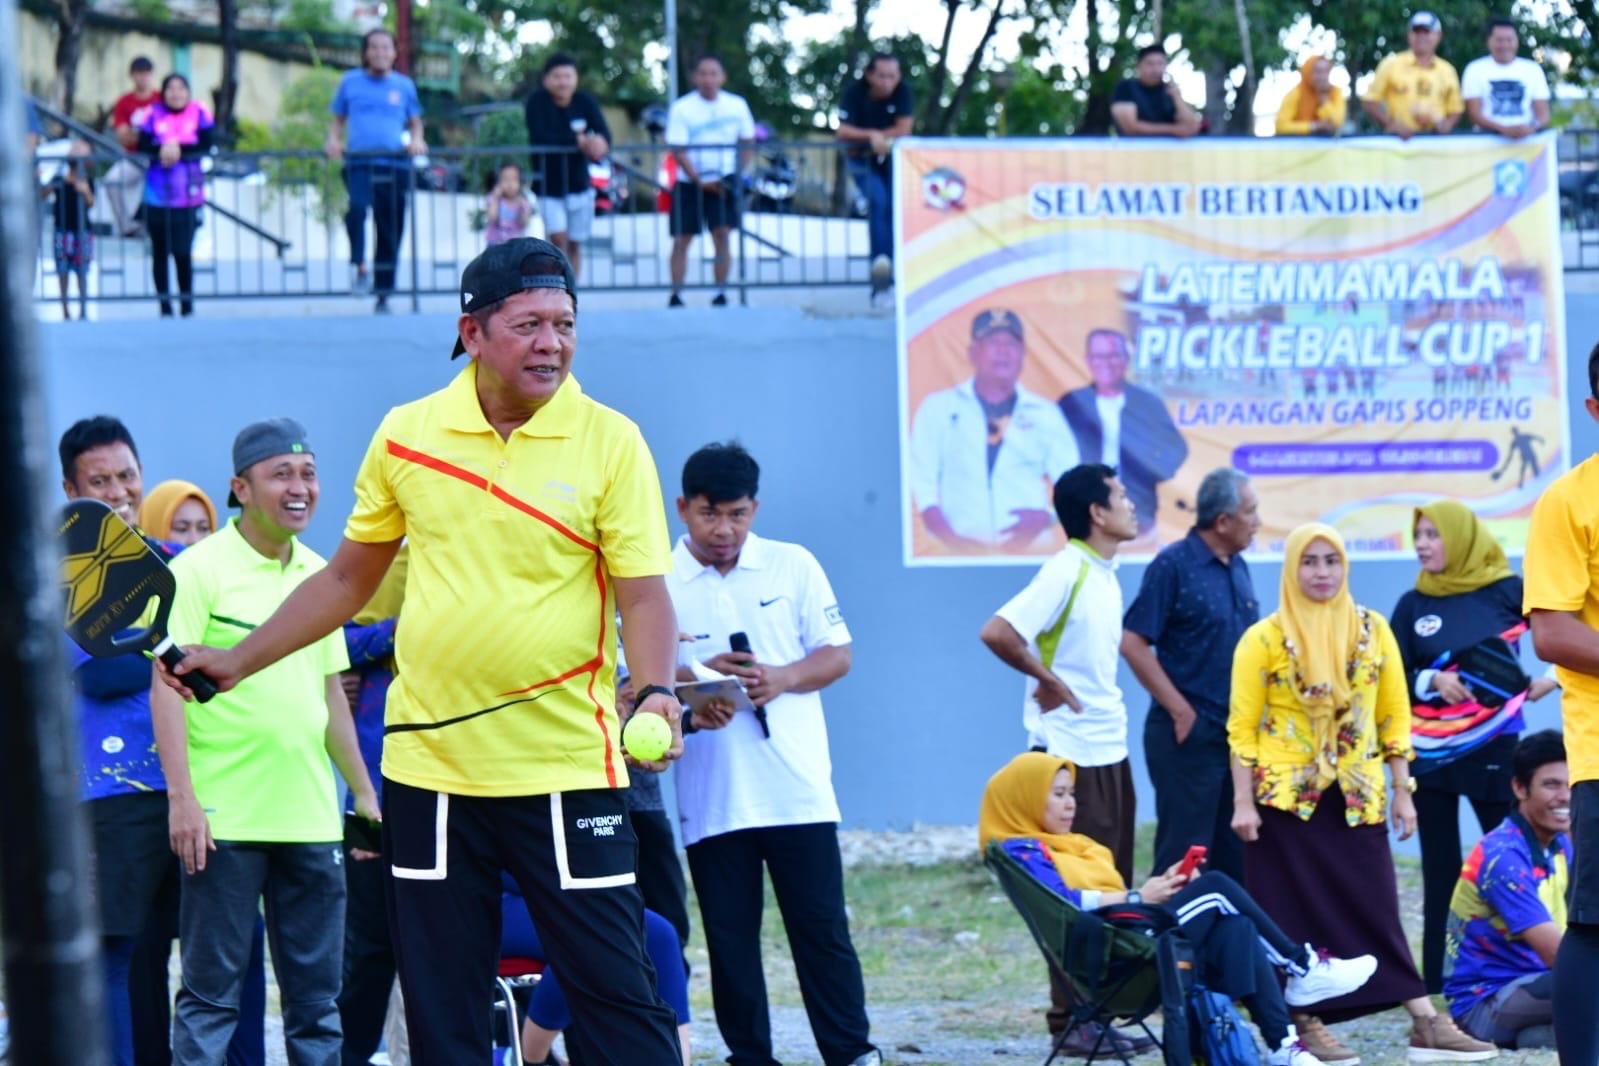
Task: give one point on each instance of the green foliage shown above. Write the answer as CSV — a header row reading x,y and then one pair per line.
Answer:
x,y
150,10
311,16
506,128
300,132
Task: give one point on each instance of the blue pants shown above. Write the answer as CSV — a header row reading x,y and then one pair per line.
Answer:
x,y
873,181
382,189
519,939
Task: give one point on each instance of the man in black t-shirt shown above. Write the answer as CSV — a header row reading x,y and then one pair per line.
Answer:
x,y
1148,104
567,130
876,108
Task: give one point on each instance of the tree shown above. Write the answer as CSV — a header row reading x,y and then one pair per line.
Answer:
x,y
72,18
228,90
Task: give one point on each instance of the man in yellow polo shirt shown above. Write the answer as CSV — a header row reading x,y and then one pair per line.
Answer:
x,y
1416,91
252,806
1562,602
534,516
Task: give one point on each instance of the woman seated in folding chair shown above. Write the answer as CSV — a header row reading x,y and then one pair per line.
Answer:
x,y
547,1012
1029,807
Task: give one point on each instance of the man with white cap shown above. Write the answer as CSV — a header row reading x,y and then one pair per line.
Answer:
x,y
1417,90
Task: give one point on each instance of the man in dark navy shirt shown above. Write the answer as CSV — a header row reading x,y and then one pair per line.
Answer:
x,y
1194,604
567,130
1148,104
875,110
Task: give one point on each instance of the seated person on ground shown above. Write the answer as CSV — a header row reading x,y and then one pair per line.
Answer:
x,y
1508,913
1029,806
547,1012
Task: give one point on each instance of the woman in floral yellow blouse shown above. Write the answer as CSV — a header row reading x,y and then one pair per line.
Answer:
x,y
1319,704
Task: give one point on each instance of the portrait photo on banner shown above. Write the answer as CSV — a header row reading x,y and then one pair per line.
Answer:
x,y
1360,326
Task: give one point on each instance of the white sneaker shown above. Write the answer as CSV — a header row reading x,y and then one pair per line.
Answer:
x,y
883,299
1328,978
1293,1052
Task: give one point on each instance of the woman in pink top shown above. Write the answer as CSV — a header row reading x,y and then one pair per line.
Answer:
x,y
177,134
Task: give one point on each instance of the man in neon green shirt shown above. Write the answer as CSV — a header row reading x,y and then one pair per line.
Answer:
x,y
253,806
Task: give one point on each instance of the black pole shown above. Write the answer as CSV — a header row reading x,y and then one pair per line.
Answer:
x,y
54,990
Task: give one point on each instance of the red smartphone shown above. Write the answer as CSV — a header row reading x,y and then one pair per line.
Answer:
x,y
1191,861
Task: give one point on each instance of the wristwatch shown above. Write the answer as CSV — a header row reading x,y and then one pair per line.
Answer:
x,y
1134,896
1410,784
649,690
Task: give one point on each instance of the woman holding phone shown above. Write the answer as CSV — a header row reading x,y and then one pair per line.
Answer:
x,y
1467,601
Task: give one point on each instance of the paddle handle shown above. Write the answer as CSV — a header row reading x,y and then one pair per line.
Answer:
x,y
198,683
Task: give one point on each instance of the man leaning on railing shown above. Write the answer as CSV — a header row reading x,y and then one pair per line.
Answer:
x,y
374,109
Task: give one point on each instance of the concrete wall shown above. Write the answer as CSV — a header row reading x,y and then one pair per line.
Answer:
x,y
925,716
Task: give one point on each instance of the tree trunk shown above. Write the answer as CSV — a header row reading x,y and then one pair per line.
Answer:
x,y
228,91
935,89
1216,96
974,70
72,18
1096,109
1243,116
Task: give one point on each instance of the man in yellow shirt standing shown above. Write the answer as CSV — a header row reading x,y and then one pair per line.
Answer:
x,y
1562,601
533,517
1416,91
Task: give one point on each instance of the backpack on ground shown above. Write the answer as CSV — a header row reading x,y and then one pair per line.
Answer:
x,y
1217,1031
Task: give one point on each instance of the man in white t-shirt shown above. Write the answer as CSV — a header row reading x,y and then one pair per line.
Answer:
x,y
1505,93
755,788
984,454
707,191
1064,632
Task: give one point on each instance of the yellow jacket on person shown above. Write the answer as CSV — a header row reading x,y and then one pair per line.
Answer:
x,y
1333,110
1296,758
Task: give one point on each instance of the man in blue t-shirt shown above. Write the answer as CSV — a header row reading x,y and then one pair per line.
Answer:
x,y
1508,914
377,119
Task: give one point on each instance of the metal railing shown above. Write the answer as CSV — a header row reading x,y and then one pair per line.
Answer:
x,y
274,224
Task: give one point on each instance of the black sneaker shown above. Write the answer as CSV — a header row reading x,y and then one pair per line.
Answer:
x,y
675,301
382,306
720,300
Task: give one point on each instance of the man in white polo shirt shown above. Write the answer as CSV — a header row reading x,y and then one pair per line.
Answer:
x,y
1064,631
755,789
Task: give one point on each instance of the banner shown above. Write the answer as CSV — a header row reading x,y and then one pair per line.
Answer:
x,y
1360,326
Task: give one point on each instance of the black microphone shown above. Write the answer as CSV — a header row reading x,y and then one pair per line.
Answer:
x,y
739,643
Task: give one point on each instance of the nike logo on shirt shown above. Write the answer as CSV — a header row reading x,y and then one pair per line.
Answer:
x,y
768,603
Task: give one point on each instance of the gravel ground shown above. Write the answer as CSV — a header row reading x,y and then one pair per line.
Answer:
x,y
998,1030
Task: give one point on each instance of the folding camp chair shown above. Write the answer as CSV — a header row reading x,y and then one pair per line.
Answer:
x,y
514,975
1113,971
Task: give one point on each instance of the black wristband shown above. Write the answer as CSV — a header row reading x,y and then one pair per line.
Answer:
x,y
644,693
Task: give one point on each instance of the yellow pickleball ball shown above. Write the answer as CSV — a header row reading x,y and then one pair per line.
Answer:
x,y
646,737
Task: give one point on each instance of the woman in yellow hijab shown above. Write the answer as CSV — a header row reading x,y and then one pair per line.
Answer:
x,y
1318,707
1315,105
178,512
1466,594
1028,808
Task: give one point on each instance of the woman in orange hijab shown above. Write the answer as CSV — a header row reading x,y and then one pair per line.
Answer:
x,y
1029,806
1315,105
178,512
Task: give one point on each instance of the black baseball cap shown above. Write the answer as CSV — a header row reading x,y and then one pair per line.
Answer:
x,y
994,321
265,440
506,269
